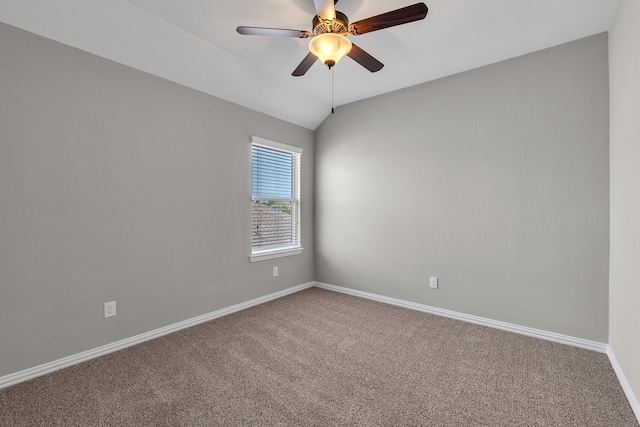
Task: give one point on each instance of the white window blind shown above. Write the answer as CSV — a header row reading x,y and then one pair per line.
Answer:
x,y
275,197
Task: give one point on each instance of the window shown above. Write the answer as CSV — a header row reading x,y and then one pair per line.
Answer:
x,y
275,199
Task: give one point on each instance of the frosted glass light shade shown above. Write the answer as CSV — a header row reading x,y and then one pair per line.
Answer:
x,y
330,47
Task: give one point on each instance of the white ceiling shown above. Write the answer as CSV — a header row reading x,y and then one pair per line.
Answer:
x,y
194,43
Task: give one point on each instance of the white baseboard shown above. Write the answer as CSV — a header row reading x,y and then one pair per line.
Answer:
x,y
523,330
56,365
50,367
536,333
628,391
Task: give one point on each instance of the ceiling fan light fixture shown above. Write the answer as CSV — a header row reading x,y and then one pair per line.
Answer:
x,y
330,47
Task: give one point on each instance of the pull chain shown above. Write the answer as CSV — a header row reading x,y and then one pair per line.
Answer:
x,y
332,79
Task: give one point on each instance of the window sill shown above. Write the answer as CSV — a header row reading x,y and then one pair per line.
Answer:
x,y
277,253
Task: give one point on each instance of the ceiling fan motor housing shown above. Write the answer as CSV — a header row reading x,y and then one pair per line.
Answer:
x,y
338,25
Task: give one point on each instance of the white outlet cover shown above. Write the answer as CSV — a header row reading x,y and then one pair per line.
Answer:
x,y
433,282
109,309
275,271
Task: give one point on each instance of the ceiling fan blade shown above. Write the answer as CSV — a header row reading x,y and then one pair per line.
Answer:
x,y
325,8
364,59
304,66
277,32
401,16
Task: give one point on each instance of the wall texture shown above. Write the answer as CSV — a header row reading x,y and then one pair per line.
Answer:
x,y
495,180
624,279
116,185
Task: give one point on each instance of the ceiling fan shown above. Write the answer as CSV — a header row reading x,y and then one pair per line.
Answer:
x,y
329,40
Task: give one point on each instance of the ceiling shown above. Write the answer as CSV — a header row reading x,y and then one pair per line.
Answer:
x,y
194,43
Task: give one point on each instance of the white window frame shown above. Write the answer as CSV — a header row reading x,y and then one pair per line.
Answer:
x,y
277,251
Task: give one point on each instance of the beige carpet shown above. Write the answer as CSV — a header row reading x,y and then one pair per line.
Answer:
x,y
319,358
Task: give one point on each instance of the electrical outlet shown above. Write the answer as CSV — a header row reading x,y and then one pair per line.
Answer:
x,y
109,309
433,282
275,271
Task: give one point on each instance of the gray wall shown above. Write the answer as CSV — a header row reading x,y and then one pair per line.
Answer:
x,y
116,185
624,282
495,180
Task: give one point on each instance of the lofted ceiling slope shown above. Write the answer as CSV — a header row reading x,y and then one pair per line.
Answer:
x,y
194,43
